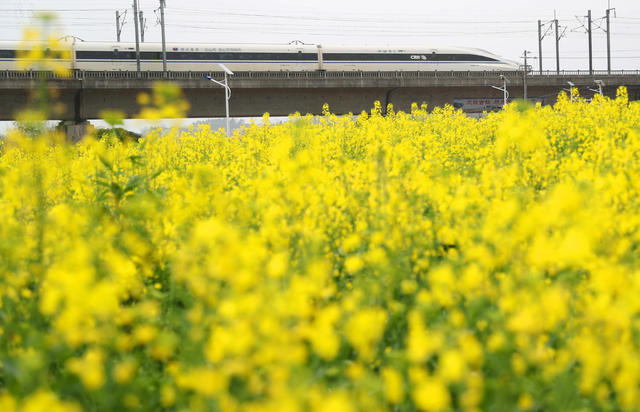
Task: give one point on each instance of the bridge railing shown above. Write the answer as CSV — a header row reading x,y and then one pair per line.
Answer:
x,y
186,75
584,73
31,74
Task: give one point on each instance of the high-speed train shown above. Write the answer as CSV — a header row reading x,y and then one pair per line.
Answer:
x,y
267,57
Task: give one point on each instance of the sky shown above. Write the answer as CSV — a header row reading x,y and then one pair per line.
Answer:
x,y
507,28
504,27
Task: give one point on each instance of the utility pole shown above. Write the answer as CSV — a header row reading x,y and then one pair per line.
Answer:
x,y
608,18
547,27
590,42
540,45
164,44
555,24
142,25
524,74
608,41
555,21
118,25
135,20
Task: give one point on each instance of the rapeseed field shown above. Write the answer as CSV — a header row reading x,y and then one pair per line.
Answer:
x,y
413,261
420,261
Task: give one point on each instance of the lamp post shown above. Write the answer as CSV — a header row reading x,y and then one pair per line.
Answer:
x,y
600,83
570,90
503,89
227,90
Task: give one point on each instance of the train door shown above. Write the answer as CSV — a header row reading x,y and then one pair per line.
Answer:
x,y
297,61
320,59
116,58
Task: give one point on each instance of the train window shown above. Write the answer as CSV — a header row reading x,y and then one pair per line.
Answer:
x,y
242,56
7,54
124,54
433,56
475,57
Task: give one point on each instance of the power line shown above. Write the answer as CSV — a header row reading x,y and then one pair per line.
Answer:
x,y
357,31
52,10
596,57
341,20
320,18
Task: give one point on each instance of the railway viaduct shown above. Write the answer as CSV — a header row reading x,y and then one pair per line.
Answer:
x,y
85,94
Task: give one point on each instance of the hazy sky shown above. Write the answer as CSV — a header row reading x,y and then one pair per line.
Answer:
x,y
501,26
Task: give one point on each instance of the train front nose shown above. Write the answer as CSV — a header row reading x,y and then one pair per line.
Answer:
x,y
510,65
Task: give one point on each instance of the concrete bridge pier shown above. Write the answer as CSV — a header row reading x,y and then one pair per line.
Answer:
x,y
78,128
75,131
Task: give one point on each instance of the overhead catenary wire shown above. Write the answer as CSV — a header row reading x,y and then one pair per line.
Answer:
x,y
222,12
217,24
353,20
265,27
420,22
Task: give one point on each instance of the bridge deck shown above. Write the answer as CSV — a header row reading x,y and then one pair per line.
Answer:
x,y
86,93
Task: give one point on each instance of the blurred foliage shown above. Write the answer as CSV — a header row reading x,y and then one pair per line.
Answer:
x,y
397,262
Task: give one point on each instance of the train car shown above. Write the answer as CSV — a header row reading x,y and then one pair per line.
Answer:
x,y
196,57
269,57
412,58
9,53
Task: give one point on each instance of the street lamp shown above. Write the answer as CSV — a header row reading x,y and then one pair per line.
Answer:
x,y
570,90
503,89
227,90
600,84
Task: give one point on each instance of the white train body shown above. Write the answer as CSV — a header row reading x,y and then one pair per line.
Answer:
x,y
265,57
